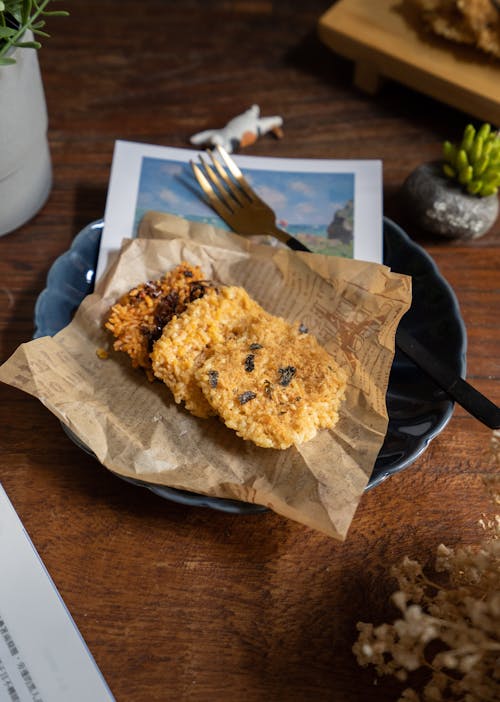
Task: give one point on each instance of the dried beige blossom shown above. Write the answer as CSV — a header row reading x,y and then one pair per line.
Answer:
x,y
449,623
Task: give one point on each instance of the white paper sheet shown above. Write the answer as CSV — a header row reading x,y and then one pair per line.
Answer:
x,y
43,657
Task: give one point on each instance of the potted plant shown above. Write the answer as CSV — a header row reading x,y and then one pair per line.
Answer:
x,y
25,166
456,196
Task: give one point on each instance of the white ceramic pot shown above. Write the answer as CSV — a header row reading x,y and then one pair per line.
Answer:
x,y
25,166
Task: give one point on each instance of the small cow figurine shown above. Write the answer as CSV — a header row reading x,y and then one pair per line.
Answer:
x,y
241,131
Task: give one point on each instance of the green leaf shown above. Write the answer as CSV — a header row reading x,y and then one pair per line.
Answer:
x,y
26,8
476,149
4,61
495,155
488,190
474,187
462,160
491,176
449,171
27,44
15,8
449,151
491,179
481,164
7,32
468,137
465,174
55,13
484,131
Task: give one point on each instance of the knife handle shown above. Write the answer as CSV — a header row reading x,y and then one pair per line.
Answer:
x,y
456,387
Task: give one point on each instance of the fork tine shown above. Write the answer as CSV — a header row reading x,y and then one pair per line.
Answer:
x,y
212,175
235,191
236,173
220,207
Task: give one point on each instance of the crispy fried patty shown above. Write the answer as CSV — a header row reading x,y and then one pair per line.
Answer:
x,y
272,384
138,318
186,340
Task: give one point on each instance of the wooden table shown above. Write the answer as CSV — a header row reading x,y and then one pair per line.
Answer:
x,y
179,603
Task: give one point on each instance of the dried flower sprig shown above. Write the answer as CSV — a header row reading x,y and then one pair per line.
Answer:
x,y
449,624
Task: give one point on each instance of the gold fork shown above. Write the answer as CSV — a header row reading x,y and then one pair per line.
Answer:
x,y
230,195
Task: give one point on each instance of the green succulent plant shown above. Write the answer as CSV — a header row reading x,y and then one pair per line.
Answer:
x,y
475,161
18,16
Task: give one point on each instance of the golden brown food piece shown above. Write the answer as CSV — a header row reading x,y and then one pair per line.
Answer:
x,y
273,384
215,318
220,352
140,315
474,22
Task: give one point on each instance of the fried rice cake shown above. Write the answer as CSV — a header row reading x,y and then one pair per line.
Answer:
x,y
273,384
218,316
139,316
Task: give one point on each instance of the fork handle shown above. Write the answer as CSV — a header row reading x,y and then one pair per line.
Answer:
x,y
287,239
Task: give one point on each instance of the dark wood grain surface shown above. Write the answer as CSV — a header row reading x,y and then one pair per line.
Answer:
x,y
179,603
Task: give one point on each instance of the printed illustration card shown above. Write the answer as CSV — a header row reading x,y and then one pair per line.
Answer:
x,y
332,206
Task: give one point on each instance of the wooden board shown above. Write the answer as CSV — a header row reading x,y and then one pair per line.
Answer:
x,y
386,39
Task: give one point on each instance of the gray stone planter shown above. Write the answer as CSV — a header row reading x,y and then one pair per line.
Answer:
x,y
440,206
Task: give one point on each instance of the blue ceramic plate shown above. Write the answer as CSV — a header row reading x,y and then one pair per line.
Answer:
x,y
418,409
